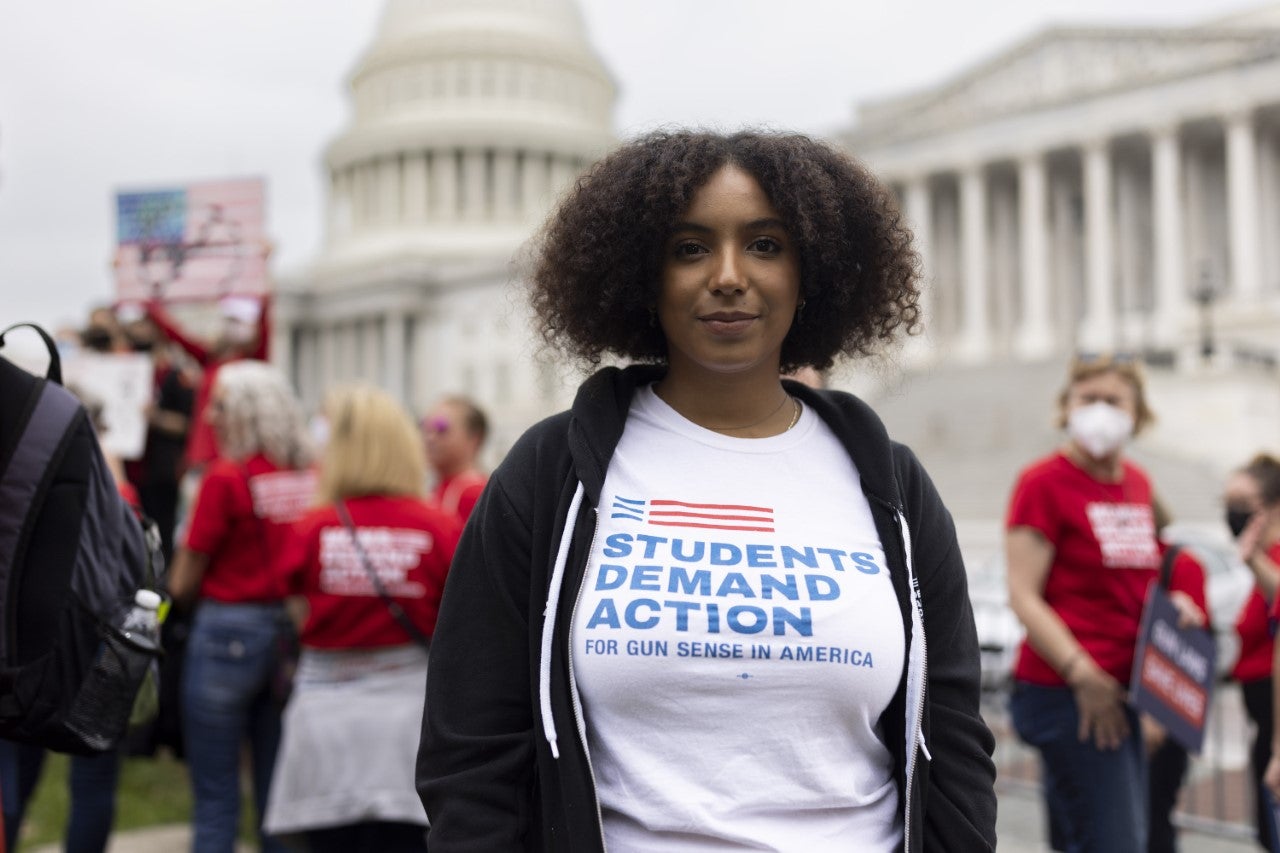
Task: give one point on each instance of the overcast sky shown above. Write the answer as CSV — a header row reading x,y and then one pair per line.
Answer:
x,y
97,96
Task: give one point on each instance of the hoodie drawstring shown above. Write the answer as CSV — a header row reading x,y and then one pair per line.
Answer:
x,y
549,624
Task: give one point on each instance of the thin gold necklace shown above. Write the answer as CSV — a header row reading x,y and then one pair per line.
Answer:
x,y
785,398
795,419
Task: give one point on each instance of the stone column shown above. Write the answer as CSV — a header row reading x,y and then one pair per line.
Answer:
x,y
415,187
443,185
1167,207
1242,205
1099,329
359,198
327,372
919,212
372,331
533,184
475,200
389,190
1034,338
394,355
975,329
504,185
563,173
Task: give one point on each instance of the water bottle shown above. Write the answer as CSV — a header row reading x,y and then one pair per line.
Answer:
x,y
125,664
142,623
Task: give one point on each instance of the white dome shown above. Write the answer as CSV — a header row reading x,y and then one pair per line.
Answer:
x,y
469,117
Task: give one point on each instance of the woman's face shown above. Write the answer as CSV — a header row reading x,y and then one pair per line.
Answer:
x,y
730,281
1242,494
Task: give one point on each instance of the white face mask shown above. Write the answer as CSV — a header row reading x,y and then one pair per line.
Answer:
x,y
1100,428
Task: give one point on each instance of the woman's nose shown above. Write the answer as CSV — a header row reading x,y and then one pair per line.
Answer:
x,y
728,274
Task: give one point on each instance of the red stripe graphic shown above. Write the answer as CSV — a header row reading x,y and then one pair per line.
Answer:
x,y
710,526
711,516
761,509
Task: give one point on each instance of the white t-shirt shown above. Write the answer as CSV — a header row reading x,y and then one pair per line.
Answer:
x,y
735,641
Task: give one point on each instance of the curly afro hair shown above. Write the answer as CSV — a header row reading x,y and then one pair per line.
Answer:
x,y
598,260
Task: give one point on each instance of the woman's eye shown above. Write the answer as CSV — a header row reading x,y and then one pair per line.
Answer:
x,y
688,249
765,244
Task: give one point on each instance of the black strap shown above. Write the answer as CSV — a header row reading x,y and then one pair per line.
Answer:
x,y
397,612
55,360
1166,565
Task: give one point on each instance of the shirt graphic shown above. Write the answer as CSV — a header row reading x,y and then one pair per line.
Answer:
x,y
282,496
392,553
706,516
735,641
1126,534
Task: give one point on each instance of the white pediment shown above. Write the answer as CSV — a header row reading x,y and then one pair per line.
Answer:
x,y
1063,65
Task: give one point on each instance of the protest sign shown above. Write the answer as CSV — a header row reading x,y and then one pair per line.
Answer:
x,y
1172,671
203,241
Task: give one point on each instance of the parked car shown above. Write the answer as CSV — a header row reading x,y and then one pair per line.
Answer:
x,y
1228,584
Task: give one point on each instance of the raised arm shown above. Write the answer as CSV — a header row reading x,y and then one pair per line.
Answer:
x,y
173,330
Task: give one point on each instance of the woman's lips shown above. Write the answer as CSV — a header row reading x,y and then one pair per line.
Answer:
x,y
728,323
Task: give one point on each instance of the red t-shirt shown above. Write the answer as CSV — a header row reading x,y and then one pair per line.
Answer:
x,y
409,544
458,494
1254,628
1105,556
240,519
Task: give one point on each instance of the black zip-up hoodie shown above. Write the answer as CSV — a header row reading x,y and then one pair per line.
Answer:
x,y
503,765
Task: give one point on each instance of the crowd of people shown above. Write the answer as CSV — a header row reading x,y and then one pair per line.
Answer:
x,y
712,606
1083,547
278,633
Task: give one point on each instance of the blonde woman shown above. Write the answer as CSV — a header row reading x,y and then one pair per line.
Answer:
x,y
1082,550
247,498
370,563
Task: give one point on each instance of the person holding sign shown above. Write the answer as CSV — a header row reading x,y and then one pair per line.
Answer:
x,y
690,613
1082,551
1252,498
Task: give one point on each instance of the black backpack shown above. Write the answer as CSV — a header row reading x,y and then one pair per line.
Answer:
x,y
72,556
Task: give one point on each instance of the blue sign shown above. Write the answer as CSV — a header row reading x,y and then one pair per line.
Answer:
x,y
1172,671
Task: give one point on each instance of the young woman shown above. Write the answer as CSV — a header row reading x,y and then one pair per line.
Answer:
x,y
247,498
690,612
1082,550
344,779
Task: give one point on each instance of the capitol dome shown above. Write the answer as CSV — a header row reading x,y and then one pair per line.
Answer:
x,y
469,117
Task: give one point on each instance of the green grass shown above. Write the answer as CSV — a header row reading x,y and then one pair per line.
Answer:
x,y
152,792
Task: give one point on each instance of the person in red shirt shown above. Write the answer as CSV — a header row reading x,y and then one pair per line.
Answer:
x,y
1081,550
245,333
1252,499
455,431
370,563
228,564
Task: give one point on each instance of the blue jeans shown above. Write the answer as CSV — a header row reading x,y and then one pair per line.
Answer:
x,y
1097,798
226,699
92,781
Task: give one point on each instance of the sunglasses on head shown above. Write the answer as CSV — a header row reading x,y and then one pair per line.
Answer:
x,y
1088,357
437,425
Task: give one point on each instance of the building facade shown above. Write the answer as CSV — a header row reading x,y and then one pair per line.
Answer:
x,y
469,117
1096,189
